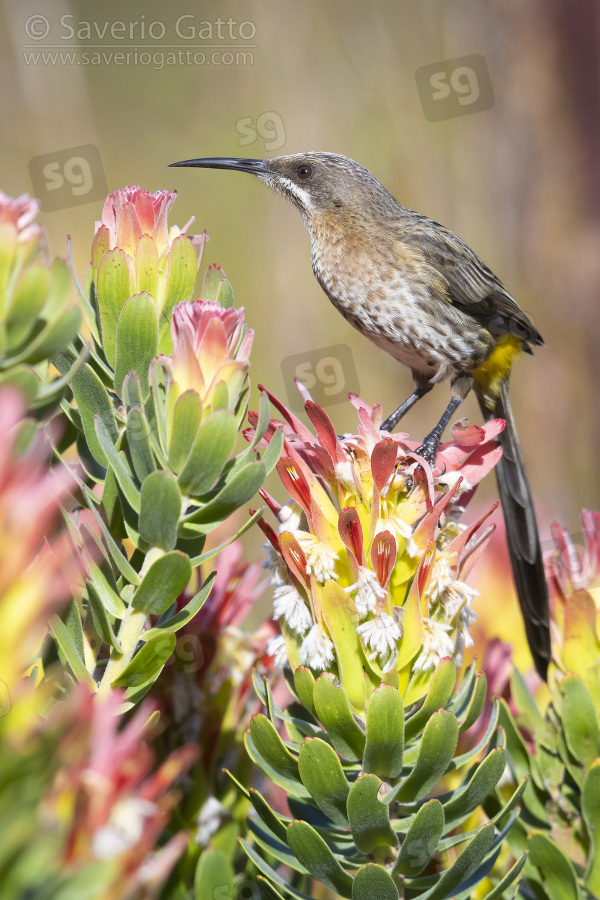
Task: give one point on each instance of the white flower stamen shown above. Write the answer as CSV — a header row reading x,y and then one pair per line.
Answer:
x,y
275,565
368,592
277,649
381,635
441,577
317,649
437,644
290,516
289,604
320,557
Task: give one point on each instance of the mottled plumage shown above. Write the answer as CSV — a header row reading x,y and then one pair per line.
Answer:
x,y
421,294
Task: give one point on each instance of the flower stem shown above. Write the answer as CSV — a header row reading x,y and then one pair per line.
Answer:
x,y
132,625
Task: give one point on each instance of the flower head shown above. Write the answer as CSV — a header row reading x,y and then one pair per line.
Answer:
x,y
381,634
317,649
211,350
132,212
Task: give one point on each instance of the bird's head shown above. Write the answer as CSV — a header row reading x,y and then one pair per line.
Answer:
x,y
319,184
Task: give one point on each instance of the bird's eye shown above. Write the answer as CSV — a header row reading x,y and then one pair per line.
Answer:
x,y
304,172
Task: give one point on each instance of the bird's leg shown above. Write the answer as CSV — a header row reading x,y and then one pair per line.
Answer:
x,y
422,388
429,448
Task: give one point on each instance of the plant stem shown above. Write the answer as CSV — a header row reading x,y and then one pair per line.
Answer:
x,y
132,625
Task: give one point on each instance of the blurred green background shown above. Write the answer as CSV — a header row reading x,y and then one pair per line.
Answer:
x,y
512,166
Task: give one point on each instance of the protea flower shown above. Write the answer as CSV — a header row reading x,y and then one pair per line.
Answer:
x,y
211,352
135,254
369,559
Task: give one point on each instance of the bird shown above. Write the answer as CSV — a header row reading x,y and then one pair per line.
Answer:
x,y
420,293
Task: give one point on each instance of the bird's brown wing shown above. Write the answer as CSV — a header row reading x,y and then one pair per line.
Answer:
x,y
472,287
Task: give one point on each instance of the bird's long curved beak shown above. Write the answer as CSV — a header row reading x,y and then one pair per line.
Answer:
x,y
254,166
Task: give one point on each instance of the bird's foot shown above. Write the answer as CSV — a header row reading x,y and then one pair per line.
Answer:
x,y
429,449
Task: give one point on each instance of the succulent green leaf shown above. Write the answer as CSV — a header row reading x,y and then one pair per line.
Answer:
x,y
333,710
214,551
272,876
580,721
525,703
484,780
138,443
210,451
437,748
101,576
71,618
214,875
117,462
290,783
271,455
146,264
476,703
92,399
136,340
51,339
212,284
187,415
102,622
164,581
384,747
270,818
556,870
237,492
117,556
314,854
498,892
520,762
442,685
372,882
322,775
145,667
26,303
69,649
421,840
270,746
590,807
304,685
341,618
464,866
160,508
185,615
181,278
113,290
369,817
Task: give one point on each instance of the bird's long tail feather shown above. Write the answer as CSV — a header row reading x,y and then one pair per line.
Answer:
x,y
522,535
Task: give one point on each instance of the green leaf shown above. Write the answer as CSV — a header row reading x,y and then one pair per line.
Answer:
x,y
187,415
590,807
146,264
304,685
68,648
270,873
421,840
314,854
160,508
498,891
114,289
50,340
435,752
485,778
464,866
237,492
384,748
71,619
181,278
185,615
476,703
580,720
162,584
214,876
372,882
333,710
209,554
270,746
322,775
270,457
556,870
118,557
118,464
26,304
529,713
341,618
101,621
520,762
93,400
292,785
270,818
138,442
146,666
101,576
211,450
369,817
442,685
136,340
